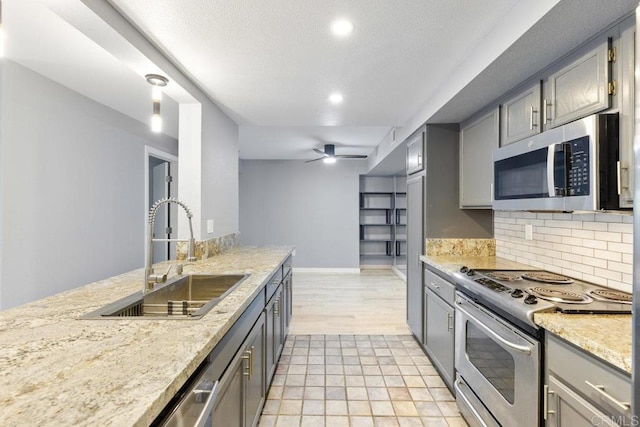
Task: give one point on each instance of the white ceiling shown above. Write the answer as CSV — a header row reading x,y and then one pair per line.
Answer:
x,y
273,64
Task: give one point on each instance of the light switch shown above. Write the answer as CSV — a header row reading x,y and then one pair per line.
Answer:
x,y
209,226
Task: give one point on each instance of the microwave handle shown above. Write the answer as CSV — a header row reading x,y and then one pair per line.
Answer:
x,y
551,176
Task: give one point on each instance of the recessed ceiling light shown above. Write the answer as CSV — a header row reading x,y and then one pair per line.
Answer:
x,y
341,27
335,98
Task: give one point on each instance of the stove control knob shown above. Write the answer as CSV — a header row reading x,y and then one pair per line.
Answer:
x,y
531,299
464,269
517,293
470,272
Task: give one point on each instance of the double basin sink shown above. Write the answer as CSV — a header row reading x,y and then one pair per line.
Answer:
x,y
184,297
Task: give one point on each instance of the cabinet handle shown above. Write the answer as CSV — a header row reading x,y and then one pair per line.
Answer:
x,y
449,321
531,122
624,406
420,160
545,113
435,286
248,356
545,410
276,307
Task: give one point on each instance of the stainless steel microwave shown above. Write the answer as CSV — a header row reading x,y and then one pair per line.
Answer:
x,y
569,168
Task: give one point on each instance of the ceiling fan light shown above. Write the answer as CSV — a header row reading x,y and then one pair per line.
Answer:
x,y
329,160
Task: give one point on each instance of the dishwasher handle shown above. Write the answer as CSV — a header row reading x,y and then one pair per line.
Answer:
x,y
208,405
197,402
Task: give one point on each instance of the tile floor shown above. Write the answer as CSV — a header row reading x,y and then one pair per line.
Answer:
x,y
357,380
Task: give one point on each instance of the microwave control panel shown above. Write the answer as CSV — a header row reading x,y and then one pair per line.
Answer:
x,y
578,178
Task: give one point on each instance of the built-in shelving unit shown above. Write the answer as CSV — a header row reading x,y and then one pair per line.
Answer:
x,y
383,219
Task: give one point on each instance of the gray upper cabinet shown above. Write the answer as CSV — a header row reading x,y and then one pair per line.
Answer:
x,y
625,70
580,88
478,139
415,152
521,115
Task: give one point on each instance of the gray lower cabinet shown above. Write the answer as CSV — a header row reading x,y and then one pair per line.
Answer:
x,y
287,305
581,389
439,316
568,409
274,327
580,88
243,389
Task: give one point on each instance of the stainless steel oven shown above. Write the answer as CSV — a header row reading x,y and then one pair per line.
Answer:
x,y
498,347
572,167
498,369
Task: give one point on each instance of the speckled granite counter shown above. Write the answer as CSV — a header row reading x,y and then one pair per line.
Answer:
x,y
449,264
58,370
605,336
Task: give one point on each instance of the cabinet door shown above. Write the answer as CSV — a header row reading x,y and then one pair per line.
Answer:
x,y
415,152
478,139
626,92
255,384
278,324
229,411
440,335
579,89
287,292
270,352
567,409
415,245
520,116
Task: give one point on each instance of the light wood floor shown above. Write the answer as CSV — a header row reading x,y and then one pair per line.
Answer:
x,y
372,302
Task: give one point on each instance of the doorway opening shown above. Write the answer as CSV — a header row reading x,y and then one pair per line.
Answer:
x,y
161,182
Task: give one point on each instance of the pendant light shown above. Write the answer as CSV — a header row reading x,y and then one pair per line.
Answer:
x,y
157,82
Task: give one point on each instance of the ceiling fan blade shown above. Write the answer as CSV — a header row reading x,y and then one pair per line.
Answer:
x,y
351,156
322,153
314,160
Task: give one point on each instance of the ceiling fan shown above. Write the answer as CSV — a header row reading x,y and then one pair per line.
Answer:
x,y
329,155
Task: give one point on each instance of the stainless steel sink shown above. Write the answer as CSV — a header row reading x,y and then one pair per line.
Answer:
x,y
185,297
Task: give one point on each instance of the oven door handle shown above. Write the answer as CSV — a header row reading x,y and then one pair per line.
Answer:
x,y
517,347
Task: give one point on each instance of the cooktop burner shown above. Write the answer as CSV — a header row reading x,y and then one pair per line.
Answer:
x,y
504,276
559,295
611,295
519,294
546,277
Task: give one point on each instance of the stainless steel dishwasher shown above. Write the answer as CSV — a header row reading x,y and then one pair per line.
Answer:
x,y
196,404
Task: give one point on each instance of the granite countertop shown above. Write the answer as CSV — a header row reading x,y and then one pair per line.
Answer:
x,y
449,264
606,336
58,370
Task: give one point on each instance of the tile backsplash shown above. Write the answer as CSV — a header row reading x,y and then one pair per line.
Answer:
x,y
595,247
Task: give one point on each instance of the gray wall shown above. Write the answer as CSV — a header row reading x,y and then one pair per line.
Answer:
x,y
313,206
72,177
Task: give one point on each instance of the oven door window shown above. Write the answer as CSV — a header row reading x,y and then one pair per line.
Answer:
x,y
522,177
494,362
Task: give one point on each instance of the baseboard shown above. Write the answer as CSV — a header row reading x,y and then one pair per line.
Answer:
x,y
375,267
327,270
401,274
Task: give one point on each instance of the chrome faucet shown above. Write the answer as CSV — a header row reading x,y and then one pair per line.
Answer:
x,y
151,278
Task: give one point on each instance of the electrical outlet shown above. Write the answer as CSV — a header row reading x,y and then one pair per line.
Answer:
x,y
209,226
293,252
528,231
